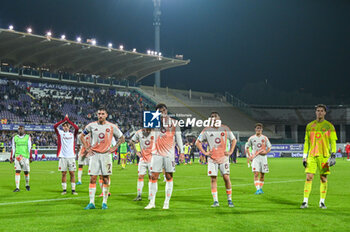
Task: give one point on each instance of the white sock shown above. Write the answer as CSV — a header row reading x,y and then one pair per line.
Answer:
x,y
214,193
168,190
257,184
27,179
101,184
139,187
73,186
322,200
64,186
105,193
92,191
306,199
261,184
17,179
229,194
80,173
149,190
154,188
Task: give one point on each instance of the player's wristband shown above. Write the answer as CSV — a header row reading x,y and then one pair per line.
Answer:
x,y
304,155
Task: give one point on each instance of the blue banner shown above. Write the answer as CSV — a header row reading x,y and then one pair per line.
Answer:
x,y
287,147
27,127
286,150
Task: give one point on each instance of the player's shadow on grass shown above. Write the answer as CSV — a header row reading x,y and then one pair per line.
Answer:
x,y
281,201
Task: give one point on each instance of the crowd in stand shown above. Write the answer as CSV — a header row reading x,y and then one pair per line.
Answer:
x,y
20,105
38,138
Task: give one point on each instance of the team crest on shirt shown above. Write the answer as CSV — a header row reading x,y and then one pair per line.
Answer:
x,y
263,141
217,140
108,130
96,129
152,137
324,129
222,133
101,135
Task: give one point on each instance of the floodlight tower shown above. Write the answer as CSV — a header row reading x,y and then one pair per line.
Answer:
x,y
156,24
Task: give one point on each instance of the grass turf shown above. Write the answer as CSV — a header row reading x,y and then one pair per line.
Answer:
x,y
44,209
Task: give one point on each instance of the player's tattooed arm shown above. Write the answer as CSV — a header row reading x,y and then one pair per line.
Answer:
x,y
120,141
232,148
134,145
83,141
200,147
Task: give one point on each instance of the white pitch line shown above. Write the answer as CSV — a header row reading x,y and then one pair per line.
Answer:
x,y
44,200
72,198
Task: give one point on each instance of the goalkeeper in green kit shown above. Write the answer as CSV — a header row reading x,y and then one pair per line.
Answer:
x,y
319,153
21,154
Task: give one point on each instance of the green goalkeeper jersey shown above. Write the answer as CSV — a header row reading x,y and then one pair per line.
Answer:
x,y
320,139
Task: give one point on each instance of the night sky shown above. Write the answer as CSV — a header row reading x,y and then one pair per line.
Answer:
x,y
290,45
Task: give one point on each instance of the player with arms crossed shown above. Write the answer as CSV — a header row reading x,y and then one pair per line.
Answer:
x,y
217,138
260,146
164,157
146,138
100,150
319,153
66,152
22,154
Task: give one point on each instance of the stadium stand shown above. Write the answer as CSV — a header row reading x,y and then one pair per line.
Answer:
x,y
21,103
201,104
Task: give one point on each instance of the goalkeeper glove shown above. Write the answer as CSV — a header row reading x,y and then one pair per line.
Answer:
x,y
331,160
304,163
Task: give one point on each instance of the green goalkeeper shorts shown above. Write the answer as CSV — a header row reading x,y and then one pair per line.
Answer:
x,y
317,163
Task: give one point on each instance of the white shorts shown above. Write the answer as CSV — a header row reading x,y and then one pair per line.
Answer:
x,y
259,164
100,164
213,168
159,162
144,167
22,164
66,164
83,160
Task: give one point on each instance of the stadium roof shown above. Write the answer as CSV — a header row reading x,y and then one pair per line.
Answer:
x,y
25,49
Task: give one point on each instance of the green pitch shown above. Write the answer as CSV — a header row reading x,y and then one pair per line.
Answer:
x,y
44,209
